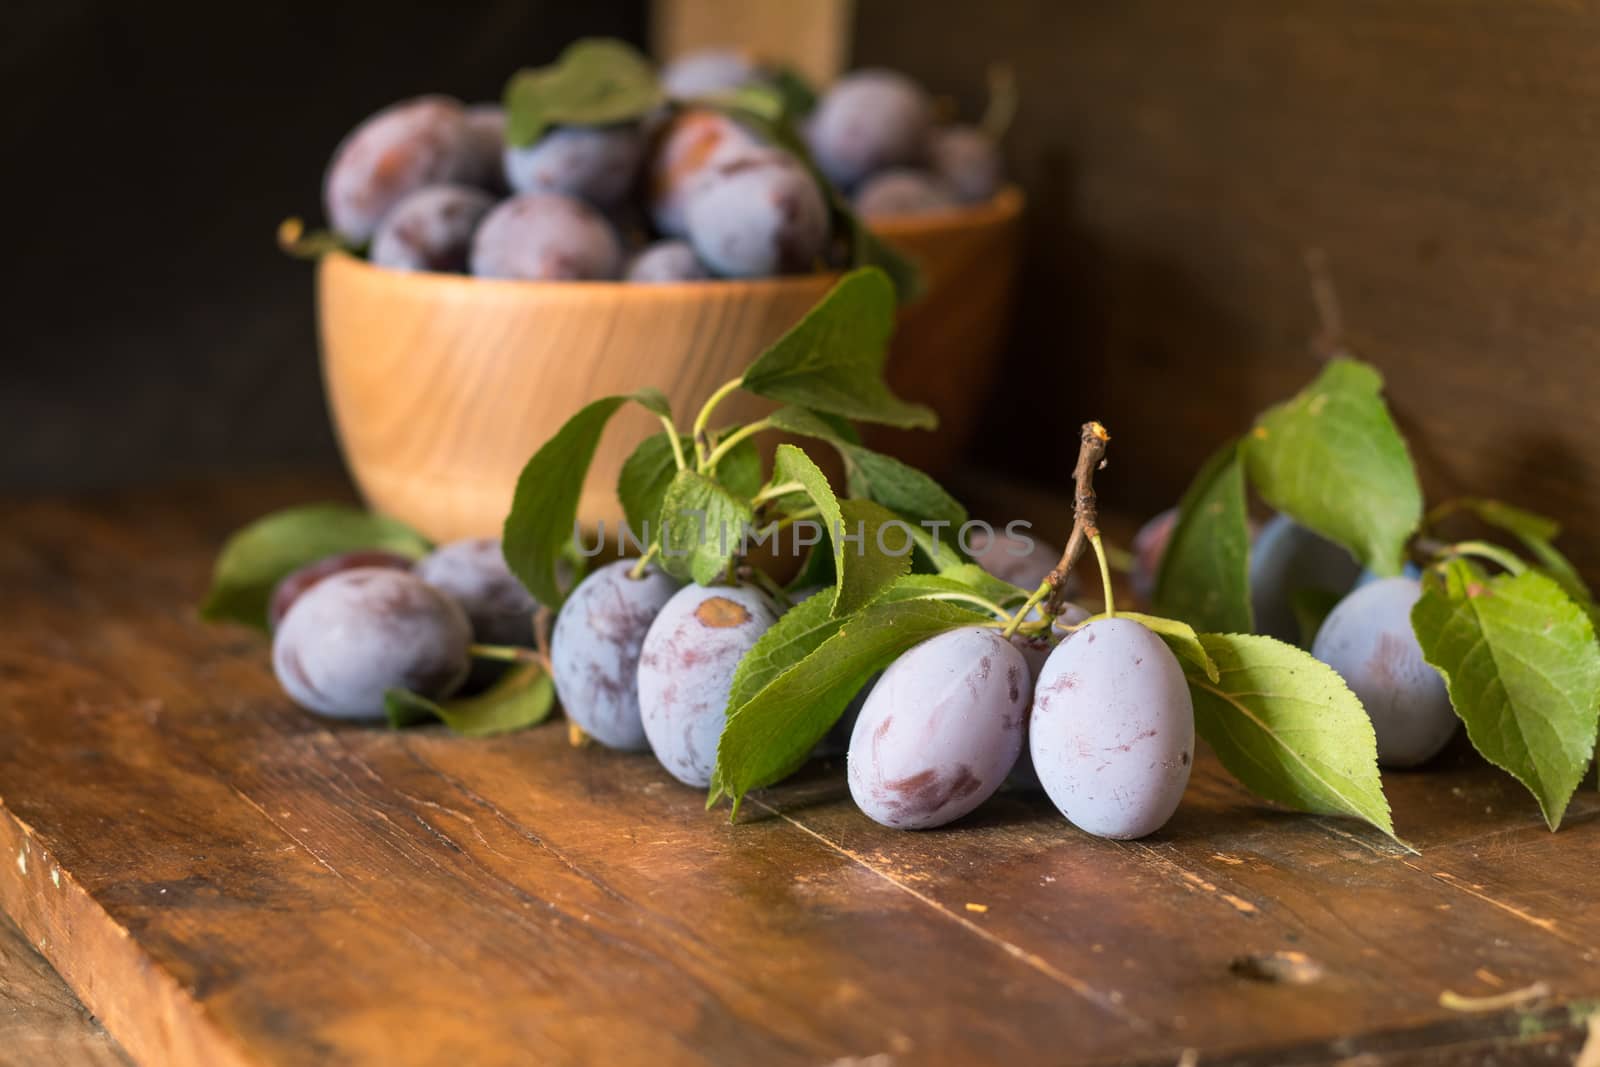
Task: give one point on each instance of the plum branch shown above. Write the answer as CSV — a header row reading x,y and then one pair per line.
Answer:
x,y
1085,513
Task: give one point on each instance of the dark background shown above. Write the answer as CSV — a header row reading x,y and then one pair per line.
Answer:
x,y
1179,161
150,151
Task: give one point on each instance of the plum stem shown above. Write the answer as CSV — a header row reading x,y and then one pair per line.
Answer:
x,y
1085,528
725,445
1085,513
638,569
1328,342
1492,553
505,653
1105,574
677,445
541,635
701,438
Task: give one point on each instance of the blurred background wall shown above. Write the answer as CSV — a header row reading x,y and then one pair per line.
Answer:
x,y
149,152
1179,158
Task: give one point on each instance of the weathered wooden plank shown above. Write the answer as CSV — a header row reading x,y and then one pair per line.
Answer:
x,y
41,1022
241,883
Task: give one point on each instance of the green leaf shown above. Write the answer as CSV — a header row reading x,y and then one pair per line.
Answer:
x,y
1523,670
258,557
1288,727
798,95
1180,637
771,734
1205,572
859,558
870,250
544,508
795,635
740,469
702,527
963,578
1537,534
594,82
902,489
1524,524
523,697
643,481
1332,458
832,360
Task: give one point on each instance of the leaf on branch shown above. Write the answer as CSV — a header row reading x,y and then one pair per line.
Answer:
x,y
702,527
832,360
1205,571
594,82
1332,459
524,696
1288,727
866,556
1520,660
1537,534
544,508
902,489
642,482
770,735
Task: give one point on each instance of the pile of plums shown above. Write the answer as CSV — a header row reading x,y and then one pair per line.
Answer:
x,y
1102,720
1099,718
1367,637
348,628
688,193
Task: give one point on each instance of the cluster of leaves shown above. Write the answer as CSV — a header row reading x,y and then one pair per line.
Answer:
x,y
262,554
602,81
1511,629
1291,730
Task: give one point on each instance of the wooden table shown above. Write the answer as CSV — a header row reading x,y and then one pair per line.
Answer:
x,y
225,880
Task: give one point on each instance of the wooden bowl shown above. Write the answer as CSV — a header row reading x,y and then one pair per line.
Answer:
x,y
442,386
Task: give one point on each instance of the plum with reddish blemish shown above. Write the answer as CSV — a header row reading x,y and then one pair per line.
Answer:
x,y
940,730
1368,639
597,164
594,650
418,142
356,634
546,237
473,572
868,121
296,582
431,229
1112,729
902,192
686,670
757,215
682,156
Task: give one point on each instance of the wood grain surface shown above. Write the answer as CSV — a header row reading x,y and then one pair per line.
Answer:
x,y
41,1022
1179,160
227,881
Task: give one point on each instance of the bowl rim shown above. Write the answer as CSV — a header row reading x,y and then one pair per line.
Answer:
x,y
1004,207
